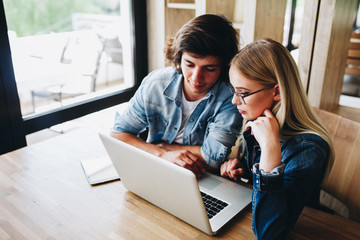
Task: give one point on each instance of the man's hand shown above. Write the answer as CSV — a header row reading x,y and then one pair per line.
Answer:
x,y
186,159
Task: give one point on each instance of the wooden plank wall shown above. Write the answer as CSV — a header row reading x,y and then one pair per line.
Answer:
x,y
323,52
263,18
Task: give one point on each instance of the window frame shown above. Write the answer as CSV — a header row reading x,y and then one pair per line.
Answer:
x,y
14,127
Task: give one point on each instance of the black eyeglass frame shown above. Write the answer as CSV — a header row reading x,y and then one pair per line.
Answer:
x,y
247,95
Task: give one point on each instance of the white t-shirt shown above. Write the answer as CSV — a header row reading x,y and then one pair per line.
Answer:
x,y
187,108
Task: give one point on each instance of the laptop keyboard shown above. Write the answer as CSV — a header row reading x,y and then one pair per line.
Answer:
x,y
212,205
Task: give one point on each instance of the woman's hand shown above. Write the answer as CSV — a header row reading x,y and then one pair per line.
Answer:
x,y
266,132
265,128
231,169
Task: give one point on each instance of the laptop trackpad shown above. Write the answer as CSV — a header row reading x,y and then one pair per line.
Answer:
x,y
208,182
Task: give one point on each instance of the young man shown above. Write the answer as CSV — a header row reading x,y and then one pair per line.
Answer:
x,y
187,108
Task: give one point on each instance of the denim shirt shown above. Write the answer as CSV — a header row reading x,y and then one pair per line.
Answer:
x,y
157,105
279,196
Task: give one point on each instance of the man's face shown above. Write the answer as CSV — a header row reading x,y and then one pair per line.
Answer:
x,y
200,74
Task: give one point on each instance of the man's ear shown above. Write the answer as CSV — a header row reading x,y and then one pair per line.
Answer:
x,y
277,96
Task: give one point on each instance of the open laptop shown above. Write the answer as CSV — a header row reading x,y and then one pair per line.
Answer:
x,y
176,189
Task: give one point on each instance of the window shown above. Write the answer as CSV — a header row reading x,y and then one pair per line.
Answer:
x,y
67,59
292,26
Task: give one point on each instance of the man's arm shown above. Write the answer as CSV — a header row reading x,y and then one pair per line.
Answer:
x,y
139,143
188,157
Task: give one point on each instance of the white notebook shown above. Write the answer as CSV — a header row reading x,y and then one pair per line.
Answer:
x,y
99,170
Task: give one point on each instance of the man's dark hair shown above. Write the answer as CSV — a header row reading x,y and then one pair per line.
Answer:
x,y
205,35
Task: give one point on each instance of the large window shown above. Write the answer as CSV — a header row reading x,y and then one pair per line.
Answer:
x,y
67,59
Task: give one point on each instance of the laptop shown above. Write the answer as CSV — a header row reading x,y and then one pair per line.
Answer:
x,y
176,189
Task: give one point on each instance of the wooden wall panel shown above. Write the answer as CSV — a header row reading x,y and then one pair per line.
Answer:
x,y
175,19
225,7
308,30
263,19
334,27
156,33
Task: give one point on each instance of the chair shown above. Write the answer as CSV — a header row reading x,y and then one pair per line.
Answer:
x,y
82,84
343,181
113,52
351,83
108,30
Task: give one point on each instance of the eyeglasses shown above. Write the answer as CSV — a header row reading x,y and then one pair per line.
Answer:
x,y
242,96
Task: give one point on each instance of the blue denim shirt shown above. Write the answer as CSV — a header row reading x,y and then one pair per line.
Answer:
x,y
279,196
214,124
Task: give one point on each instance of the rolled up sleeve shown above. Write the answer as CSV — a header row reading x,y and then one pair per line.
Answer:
x,y
268,182
213,152
221,135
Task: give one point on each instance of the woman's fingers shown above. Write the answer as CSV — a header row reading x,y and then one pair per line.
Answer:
x,y
231,169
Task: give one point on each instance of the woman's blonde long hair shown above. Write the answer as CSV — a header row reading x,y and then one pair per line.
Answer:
x,y
268,62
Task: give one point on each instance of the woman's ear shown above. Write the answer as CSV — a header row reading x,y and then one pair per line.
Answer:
x,y
277,96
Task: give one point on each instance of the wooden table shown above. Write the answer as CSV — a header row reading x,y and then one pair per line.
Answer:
x,y
44,195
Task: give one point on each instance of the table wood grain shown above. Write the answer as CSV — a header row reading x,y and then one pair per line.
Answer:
x,y
44,194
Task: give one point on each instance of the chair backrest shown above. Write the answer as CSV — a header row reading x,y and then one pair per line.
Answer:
x,y
351,84
343,181
353,58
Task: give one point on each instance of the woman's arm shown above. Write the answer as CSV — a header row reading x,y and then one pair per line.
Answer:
x,y
280,196
266,132
283,184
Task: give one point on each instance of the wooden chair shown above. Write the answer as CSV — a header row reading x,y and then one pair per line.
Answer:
x,y
351,85
353,58
343,181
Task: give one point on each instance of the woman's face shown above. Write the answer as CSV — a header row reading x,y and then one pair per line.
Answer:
x,y
255,103
200,74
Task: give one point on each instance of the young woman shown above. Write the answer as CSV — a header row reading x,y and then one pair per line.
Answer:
x,y
187,108
284,149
